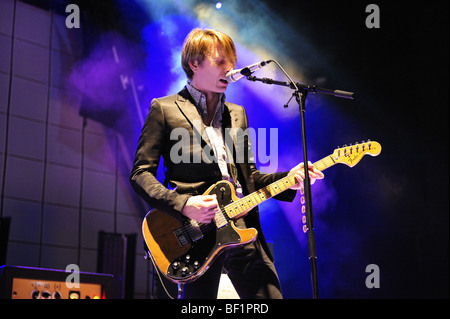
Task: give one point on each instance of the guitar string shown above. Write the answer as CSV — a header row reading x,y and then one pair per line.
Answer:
x,y
240,206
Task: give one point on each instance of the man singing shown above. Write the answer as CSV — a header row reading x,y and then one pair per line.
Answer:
x,y
206,57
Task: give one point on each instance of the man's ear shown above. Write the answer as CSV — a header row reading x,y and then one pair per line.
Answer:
x,y
193,65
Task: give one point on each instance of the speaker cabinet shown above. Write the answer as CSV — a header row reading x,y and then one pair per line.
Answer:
x,y
116,256
4,233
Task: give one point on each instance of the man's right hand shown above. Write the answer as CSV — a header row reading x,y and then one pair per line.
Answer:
x,y
201,208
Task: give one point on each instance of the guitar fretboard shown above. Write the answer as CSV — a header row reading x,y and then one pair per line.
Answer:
x,y
252,200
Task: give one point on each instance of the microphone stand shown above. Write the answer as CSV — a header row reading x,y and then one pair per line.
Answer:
x,y
300,93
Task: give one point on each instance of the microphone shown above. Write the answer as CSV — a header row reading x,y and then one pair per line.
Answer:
x,y
235,75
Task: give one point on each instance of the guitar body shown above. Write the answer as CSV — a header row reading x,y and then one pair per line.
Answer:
x,y
183,251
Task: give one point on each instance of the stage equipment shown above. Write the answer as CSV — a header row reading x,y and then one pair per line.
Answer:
x,y
38,283
116,256
235,75
300,93
5,222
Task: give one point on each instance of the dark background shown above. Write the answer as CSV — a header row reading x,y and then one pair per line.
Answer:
x,y
398,207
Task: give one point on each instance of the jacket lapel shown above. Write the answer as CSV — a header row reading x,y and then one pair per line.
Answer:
x,y
187,107
189,110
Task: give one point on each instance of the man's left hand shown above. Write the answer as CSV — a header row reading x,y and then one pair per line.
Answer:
x,y
299,173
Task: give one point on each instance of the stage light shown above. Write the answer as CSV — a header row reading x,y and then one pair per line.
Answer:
x,y
218,5
74,295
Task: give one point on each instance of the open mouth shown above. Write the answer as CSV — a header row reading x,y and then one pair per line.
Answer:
x,y
223,81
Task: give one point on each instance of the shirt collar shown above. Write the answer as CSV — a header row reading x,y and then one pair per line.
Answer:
x,y
200,103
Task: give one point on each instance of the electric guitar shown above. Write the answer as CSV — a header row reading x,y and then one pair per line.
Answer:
x,y
183,251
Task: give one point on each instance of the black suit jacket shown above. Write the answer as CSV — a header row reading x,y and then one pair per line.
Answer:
x,y
172,129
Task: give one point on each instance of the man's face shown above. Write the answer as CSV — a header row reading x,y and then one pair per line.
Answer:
x,y
210,75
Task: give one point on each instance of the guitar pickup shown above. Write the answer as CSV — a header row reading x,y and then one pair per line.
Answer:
x,y
181,236
188,233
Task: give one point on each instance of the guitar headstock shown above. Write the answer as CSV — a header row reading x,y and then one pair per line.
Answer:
x,y
352,154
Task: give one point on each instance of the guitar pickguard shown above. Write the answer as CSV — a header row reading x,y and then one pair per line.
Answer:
x,y
198,259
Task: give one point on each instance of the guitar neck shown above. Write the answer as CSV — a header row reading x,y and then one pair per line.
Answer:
x,y
252,200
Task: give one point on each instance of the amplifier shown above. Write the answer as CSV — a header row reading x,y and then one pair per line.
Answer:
x,y
37,283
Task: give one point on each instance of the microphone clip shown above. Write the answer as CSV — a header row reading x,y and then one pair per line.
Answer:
x,y
286,105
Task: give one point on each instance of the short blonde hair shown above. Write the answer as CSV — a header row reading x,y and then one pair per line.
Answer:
x,y
199,43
